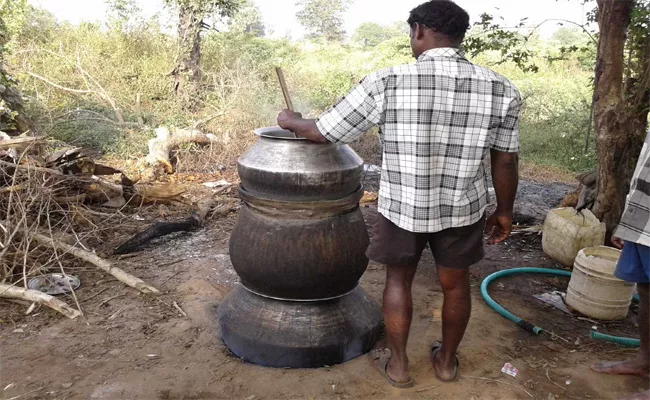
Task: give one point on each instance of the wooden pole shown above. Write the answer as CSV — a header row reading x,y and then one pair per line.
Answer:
x,y
283,85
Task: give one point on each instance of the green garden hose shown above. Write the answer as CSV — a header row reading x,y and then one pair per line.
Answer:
x,y
623,341
506,272
527,325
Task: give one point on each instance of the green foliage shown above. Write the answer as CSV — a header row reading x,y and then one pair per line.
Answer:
x,y
123,14
323,18
12,21
247,20
488,35
370,34
13,14
638,47
569,37
221,8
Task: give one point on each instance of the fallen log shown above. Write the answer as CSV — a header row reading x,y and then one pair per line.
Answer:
x,y
156,230
165,142
19,142
160,229
35,296
99,262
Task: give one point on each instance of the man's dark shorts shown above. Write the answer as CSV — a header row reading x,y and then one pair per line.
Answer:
x,y
453,248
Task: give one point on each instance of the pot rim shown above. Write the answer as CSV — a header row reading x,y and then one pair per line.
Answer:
x,y
275,132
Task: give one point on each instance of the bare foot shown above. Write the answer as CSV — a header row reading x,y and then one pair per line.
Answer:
x,y
636,366
639,396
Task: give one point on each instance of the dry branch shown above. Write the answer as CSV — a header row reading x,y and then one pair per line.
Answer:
x,y
19,142
160,229
100,263
35,296
31,168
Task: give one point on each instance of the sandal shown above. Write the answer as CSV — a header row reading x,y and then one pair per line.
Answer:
x,y
380,360
435,348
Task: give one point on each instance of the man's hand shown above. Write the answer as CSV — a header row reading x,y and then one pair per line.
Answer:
x,y
287,119
618,242
305,128
498,226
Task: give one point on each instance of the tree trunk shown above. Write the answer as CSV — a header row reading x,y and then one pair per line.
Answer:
x,y
186,72
617,128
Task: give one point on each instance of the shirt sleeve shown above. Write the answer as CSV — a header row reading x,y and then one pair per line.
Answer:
x,y
505,137
348,119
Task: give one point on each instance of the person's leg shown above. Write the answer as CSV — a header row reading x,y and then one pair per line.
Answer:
x,y
398,311
455,250
400,251
456,309
634,266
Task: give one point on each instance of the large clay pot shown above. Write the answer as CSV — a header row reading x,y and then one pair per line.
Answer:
x,y
299,248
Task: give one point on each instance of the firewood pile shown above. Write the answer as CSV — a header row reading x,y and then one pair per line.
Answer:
x,y
56,207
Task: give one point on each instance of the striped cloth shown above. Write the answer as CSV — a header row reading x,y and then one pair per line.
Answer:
x,y
635,223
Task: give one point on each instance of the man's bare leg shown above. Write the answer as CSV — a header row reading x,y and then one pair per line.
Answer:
x,y
398,311
640,365
456,310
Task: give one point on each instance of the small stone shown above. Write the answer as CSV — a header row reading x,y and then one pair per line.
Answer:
x,y
19,330
67,385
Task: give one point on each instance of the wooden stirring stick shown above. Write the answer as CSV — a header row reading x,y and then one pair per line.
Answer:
x,y
283,85
285,91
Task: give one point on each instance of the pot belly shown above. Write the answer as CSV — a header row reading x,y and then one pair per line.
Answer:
x,y
299,258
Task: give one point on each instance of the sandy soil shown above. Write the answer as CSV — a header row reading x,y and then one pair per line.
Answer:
x,y
130,346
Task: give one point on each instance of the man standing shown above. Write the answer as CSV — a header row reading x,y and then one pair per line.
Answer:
x,y
633,236
439,119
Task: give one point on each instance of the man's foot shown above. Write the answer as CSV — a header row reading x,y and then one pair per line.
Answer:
x,y
636,366
394,376
639,396
446,372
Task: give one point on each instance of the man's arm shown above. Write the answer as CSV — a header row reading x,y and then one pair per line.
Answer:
x,y
345,121
302,127
504,152
505,177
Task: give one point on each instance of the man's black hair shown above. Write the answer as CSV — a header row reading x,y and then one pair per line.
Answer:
x,y
442,16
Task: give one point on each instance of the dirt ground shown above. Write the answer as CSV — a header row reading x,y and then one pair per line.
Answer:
x,y
131,346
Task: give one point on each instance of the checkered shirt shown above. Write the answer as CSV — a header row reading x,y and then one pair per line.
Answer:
x,y
635,223
438,119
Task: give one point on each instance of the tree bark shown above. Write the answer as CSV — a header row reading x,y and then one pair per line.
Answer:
x,y
617,129
186,72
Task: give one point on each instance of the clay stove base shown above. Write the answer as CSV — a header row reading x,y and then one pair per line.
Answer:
x,y
289,334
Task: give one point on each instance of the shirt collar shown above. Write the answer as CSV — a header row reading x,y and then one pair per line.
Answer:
x,y
450,52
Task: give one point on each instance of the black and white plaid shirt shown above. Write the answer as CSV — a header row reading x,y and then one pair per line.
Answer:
x,y
635,223
438,118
